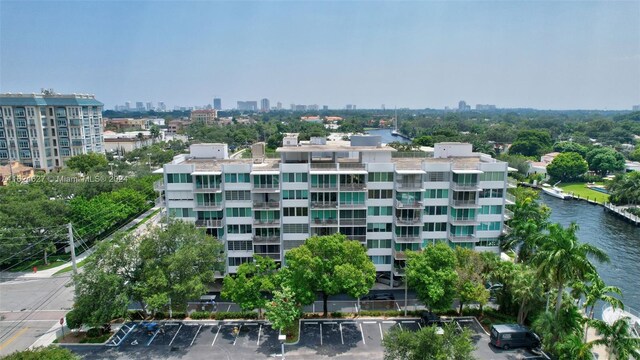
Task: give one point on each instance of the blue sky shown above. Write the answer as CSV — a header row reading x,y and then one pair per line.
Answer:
x,y
547,55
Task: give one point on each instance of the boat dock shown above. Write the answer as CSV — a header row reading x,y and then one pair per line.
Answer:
x,y
620,212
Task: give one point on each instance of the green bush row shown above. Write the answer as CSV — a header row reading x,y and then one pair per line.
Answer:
x,y
222,315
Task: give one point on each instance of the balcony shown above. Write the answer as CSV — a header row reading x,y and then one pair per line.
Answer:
x,y
464,187
352,187
266,204
407,204
506,229
274,256
209,223
407,239
324,187
158,185
512,183
361,205
508,214
324,166
324,204
360,238
461,238
463,221
266,187
266,222
212,189
324,222
399,255
352,166
213,206
465,204
409,186
510,199
266,239
360,222
408,221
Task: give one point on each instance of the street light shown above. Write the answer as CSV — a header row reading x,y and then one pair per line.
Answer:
x,y
282,339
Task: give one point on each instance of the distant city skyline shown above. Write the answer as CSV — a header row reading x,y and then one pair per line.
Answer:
x,y
543,55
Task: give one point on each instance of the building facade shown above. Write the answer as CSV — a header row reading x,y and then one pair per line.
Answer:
x,y
204,116
363,189
44,130
265,105
217,103
248,105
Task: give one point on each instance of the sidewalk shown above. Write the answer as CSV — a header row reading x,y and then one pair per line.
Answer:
x,y
600,351
42,274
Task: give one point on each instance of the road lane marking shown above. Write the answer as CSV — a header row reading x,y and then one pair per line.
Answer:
x,y
176,334
194,338
362,333
381,335
15,336
259,331
218,332
341,338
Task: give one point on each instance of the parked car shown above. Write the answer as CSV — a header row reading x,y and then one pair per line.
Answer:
x,y
508,336
378,296
385,279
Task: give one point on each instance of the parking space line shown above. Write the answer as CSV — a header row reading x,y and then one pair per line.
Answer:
x,y
218,332
362,333
229,308
388,322
237,334
194,338
250,324
312,322
330,322
153,337
369,322
259,331
176,334
321,334
420,326
341,338
408,322
400,326
381,335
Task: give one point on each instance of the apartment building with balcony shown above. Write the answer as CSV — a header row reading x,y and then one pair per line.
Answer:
x,y
44,130
388,201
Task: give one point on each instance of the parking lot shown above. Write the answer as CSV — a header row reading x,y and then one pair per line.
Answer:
x,y
339,338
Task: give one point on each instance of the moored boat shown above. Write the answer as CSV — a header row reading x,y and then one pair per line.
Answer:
x,y
555,192
611,314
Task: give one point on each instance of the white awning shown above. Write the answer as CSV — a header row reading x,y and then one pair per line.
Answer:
x,y
466,171
159,171
212,172
344,171
267,172
411,171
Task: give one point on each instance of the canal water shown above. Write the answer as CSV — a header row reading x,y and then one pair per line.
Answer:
x,y
387,137
619,239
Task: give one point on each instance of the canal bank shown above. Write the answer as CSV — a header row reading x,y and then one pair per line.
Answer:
x,y
619,239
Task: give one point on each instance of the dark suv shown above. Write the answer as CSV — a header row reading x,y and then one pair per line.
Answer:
x,y
378,296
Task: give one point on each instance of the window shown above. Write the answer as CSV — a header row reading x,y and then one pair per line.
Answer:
x,y
237,195
324,197
380,177
208,181
237,261
237,178
181,212
380,260
461,230
380,210
23,144
494,225
324,181
295,194
463,214
352,198
22,133
294,177
465,179
408,247
209,215
380,194
238,212
266,181
268,215
489,242
408,231
205,199
491,209
379,244
295,211
436,194
238,229
178,178
491,193
379,227
435,210
319,215
268,232
492,176
437,177
440,226
295,228
65,152
266,249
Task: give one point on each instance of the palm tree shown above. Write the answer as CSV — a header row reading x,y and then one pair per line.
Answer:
x,y
555,328
574,348
526,288
529,219
595,290
617,337
565,259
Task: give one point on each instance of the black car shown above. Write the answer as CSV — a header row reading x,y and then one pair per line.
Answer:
x,y
378,296
386,280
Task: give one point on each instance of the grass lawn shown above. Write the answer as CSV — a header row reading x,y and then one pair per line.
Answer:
x,y
583,191
54,260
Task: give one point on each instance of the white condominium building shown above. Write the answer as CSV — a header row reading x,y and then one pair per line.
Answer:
x,y
44,130
390,202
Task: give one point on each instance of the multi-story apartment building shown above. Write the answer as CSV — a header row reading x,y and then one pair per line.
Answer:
x,y
204,116
44,130
388,201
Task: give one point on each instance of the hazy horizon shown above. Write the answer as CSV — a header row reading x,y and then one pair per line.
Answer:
x,y
541,55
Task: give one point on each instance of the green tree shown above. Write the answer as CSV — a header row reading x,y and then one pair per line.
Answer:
x,y
529,220
565,259
574,348
526,288
283,311
531,143
625,188
251,284
604,160
635,154
470,286
432,274
567,167
154,131
428,343
51,352
86,163
570,146
595,290
555,328
329,265
618,339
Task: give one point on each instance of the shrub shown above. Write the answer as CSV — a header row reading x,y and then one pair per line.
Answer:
x,y
94,332
235,315
135,315
200,315
337,314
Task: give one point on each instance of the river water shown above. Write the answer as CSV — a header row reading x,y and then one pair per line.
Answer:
x,y
619,239
387,137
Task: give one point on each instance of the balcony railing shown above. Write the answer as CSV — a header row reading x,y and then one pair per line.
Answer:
x,y
266,204
508,214
351,165
360,238
353,221
465,204
209,206
407,239
463,220
412,186
158,185
461,238
408,221
323,204
512,183
510,199
353,205
399,255
207,189
347,187
407,204
209,223
274,256
324,186
266,239
324,222
465,187
265,222
506,229
324,166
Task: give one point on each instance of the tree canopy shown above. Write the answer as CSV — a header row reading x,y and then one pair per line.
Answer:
x,y
252,283
86,163
604,160
432,274
429,342
531,143
568,166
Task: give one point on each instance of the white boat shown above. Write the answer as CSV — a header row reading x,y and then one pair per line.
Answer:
x,y
395,131
611,314
555,191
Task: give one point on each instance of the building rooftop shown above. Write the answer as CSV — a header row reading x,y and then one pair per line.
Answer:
x,y
33,99
333,146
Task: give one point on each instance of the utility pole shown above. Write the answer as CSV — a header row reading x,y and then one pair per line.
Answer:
x,y
406,290
73,250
